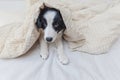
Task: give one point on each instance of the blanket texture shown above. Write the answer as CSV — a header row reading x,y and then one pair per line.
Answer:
x,y
92,26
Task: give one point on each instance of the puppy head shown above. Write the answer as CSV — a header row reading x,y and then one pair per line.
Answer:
x,y
51,22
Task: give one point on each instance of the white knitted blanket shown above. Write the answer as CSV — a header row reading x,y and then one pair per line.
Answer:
x,y
92,26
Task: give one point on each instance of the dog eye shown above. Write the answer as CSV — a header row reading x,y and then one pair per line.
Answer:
x,y
56,25
44,24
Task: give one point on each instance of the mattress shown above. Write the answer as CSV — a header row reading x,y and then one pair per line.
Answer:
x,y
30,66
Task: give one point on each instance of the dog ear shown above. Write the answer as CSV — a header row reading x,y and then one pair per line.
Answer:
x,y
62,21
64,26
38,23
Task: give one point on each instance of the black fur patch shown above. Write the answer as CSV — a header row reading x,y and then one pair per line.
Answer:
x,y
58,23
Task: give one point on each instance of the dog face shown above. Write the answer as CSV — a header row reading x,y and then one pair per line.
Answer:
x,y
51,22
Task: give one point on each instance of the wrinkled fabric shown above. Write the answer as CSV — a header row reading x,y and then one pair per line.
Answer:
x,y
92,26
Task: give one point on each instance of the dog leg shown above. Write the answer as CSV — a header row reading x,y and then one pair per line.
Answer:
x,y
62,57
43,48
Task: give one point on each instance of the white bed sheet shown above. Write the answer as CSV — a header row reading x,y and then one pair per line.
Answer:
x,y
31,67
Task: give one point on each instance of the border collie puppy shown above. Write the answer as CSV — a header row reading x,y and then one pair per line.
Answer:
x,y
52,26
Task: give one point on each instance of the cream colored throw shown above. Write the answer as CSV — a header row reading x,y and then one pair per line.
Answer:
x,y
92,26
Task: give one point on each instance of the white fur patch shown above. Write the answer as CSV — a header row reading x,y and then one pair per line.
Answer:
x,y
49,31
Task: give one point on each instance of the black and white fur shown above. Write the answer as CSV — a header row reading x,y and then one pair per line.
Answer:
x,y
51,23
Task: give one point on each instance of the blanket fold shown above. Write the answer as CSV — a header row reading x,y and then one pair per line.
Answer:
x,y
92,26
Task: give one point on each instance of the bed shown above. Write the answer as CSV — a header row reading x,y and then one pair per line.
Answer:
x,y
30,66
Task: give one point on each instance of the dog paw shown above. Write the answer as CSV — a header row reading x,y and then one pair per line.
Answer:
x,y
64,60
44,56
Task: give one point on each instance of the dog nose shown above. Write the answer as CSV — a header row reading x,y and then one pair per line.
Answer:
x,y
49,39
